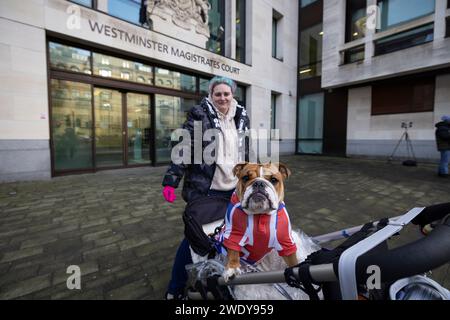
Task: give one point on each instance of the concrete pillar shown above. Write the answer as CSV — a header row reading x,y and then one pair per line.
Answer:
x,y
439,19
369,49
102,5
230,29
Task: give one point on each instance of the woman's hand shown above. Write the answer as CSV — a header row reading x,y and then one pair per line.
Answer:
x,y
169,194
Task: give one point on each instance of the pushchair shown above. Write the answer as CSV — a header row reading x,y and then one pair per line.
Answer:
x,y
361,267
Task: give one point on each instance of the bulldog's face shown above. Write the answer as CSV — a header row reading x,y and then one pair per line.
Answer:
x,y
260,187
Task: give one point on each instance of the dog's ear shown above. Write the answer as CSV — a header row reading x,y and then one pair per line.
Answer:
x,y
284,170
238,168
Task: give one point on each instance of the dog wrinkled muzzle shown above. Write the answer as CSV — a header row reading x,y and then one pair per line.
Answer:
x,y
260,197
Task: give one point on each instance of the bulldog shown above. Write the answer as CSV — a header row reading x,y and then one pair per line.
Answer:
x,y
257,221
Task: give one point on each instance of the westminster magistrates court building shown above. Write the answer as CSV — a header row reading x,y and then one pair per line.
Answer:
x,y
88,85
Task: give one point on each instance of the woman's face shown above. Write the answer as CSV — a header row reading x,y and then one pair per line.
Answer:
x,y
222,97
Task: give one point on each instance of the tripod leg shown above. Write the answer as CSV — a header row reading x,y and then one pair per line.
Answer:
x,y
398,143
410,147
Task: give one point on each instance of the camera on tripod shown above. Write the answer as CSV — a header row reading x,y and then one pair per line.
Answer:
x,y
409,148
407,125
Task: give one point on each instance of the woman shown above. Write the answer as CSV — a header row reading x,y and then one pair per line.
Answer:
x,y
218,111
443,144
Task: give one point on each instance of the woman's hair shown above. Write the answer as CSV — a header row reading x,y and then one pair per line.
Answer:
x,y
221,80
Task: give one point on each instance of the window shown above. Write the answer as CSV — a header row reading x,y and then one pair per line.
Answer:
x,y
276,32
310,124
175,80
128,10
117,68
395,12
354,54
204,86
240,30
69,58
216,42
311,52
71,124
170,113
273,111
447,26
240,96
87,3
403,96
405,39
355,26
305,3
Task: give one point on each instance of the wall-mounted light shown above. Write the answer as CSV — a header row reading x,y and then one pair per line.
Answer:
x,y
321,33
305,71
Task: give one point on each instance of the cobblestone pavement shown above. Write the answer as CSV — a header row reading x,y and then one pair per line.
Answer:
x,y
117,228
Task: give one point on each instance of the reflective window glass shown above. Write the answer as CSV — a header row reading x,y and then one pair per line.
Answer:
x,y
69,58
405,39
310,124
356,20
394,12
239,95
204,86
240,30
273,111
304,3
128,10
171,113
311,52
112,67
138,126
216,25
175,80
108,127
71,125
87,3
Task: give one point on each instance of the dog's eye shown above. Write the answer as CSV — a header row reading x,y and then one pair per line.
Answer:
x,y
245,178
273,180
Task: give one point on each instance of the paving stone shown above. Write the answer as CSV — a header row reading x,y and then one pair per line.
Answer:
x,y
99,252
25,287
20,254
133,290
132,243
38,242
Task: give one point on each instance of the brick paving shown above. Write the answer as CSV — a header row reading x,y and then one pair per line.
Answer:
x,y
117,228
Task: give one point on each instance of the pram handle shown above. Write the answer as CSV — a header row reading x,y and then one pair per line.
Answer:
x,y
432,213
414,258
320,273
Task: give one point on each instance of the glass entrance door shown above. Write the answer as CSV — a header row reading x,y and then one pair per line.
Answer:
x,y
310,124
109,133
138,128
122,128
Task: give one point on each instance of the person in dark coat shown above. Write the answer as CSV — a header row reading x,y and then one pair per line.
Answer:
x,y
443,144
218,111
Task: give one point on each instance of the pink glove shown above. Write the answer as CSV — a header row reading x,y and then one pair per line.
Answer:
x,y
169,194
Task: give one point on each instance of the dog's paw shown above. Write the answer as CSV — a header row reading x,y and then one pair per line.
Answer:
x,y
230,273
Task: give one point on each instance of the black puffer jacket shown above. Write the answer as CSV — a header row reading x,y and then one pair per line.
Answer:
x,y
198,177
443,135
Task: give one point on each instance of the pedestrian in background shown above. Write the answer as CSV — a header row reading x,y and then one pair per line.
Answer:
x,y
443,144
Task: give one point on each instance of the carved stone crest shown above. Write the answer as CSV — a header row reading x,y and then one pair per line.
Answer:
x,y
191,15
